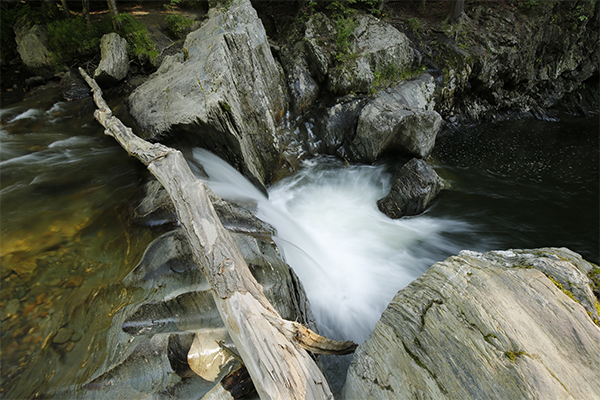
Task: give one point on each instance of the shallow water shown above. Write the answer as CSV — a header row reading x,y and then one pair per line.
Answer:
x,y
68,240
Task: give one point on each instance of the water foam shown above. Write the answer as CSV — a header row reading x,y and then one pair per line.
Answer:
x,y
351,258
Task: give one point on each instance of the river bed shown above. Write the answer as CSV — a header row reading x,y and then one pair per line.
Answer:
x,y
68,239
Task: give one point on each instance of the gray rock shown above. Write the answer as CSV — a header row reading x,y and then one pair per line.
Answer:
x,y
318,42
304,90
381,44
355,76
32,45
375,45
482,326
114,64
400,119
227,92
335,124
73,86
413,189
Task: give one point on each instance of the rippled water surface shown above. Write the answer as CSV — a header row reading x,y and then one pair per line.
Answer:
x,y
68,240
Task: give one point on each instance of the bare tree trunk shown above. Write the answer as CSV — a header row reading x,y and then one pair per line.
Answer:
x,y
65,8
112,7
272,349
457,9
85,5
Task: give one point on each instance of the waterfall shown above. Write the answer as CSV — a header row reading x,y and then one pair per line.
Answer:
x,y
350,257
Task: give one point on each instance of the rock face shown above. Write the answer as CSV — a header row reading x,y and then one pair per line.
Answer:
x,y
485,326
114,64
524,63
226,91
400,119
32,45
414,187
378,46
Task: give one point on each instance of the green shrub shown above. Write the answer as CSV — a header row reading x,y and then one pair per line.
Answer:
x,y
139,44
178,25
70,38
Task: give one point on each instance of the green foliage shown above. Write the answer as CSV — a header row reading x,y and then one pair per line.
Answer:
x,y
345,27
72,35
415,25
139,44
178,25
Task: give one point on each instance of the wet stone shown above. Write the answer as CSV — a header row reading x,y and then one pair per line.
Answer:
x,y
76,336
74,282
62,336
11,308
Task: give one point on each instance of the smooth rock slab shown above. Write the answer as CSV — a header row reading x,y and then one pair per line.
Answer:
x,y
482,326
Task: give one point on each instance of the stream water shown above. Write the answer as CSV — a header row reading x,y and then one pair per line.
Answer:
x,y
68,241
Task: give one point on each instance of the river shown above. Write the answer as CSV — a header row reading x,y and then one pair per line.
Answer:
x,y
68,240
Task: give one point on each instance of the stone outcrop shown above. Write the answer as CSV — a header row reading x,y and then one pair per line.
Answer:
x,y
413,189
114,64
319,60
491,326
523,60
400,119
304,89
225,91
32,45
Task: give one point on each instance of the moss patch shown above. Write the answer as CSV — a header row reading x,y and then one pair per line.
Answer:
x,y
513,355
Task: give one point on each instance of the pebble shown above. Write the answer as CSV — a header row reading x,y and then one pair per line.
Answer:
x,y
62,336
76,336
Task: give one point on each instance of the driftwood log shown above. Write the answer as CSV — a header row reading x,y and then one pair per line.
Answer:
x,y
272,349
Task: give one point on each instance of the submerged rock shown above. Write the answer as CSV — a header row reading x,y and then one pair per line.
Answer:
x,y
398,120
159,343
414,187
483,326
114,64
226,93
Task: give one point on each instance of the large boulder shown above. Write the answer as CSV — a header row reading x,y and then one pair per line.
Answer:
x,y
32,45
226,90
413,189
400,119
485,326
372,47
114,64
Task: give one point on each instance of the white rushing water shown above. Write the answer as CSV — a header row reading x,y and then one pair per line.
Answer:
x,y
350,257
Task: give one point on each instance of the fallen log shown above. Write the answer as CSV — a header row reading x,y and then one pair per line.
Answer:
x,y
272,349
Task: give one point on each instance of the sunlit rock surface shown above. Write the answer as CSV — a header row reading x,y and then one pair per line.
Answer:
x,y
226,92
485,326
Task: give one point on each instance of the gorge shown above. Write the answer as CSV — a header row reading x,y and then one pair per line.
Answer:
x,y
100,290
